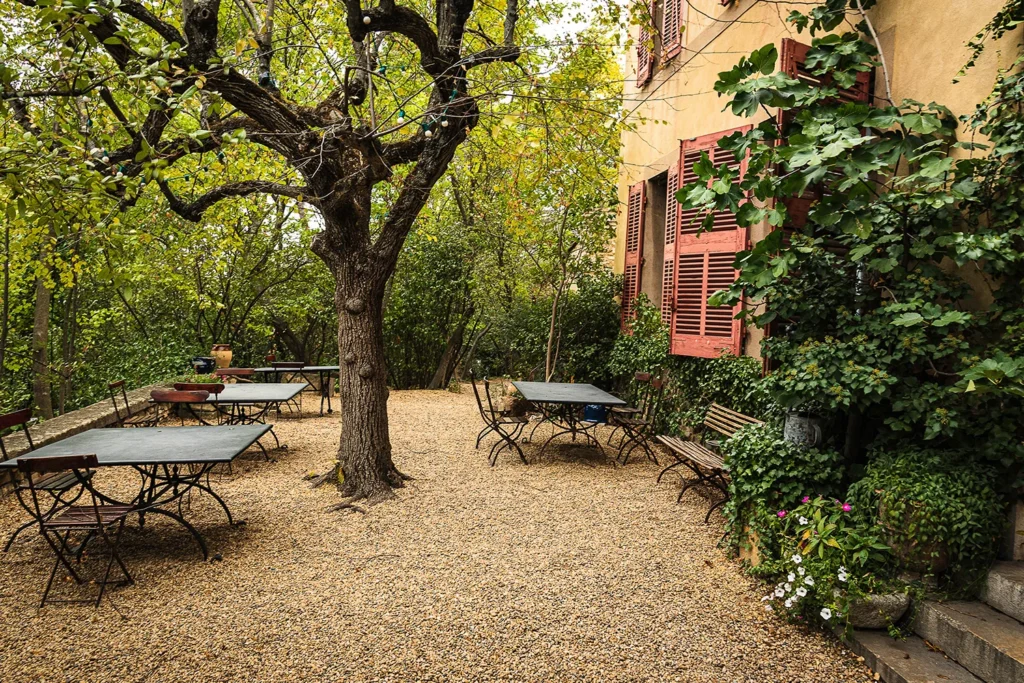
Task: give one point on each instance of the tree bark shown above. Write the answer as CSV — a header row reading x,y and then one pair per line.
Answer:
x,y
364,449
40,355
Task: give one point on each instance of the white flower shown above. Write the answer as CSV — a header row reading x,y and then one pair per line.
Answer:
x,y
842,569
797,559
767,597
842,577
788,587
809,580
801,571
791,577
789,603
801,591
826,613
803,521
768,608
779,592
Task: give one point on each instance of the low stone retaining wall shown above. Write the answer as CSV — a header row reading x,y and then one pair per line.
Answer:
x,y
91,417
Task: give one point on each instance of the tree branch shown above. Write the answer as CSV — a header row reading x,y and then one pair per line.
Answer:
x,y
193,211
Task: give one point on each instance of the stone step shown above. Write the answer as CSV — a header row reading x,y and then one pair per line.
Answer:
x,y
1004,589
907,661
984,641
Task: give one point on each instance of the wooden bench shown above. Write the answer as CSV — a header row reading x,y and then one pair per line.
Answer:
x,y
705,462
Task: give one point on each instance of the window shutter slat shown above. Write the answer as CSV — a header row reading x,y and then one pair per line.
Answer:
x,y
704,263
632,268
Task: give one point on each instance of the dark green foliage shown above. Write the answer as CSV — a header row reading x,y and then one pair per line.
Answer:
x,y
769,474
932,501
515,345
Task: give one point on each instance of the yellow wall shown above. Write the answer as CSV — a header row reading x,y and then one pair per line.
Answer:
x,y
923,41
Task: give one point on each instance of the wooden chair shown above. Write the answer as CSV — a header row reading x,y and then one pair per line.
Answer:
x,y
244,375
507,427
702,456
637,429
93,520
641,389
178,397
141,419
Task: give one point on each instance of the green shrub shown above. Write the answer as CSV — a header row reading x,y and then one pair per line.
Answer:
x,y
768,474
934,503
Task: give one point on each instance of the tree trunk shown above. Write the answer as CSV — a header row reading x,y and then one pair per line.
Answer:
x,y
549,358
446,367
364,450
40,356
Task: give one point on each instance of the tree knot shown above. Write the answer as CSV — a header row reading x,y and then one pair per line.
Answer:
x,y
355,305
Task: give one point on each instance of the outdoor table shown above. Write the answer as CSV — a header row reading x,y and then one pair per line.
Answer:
x,y
171,461
323,373
562,404
260,397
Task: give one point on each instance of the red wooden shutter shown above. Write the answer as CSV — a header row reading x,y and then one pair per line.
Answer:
x,y
672,17
635,209
794,56
703,264
668,280
644,58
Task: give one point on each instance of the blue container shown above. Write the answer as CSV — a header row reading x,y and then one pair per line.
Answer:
x,y
595,414
203,365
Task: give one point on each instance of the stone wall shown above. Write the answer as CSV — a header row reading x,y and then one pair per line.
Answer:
x,y
91,417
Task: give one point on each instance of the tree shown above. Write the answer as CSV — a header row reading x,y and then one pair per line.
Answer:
x,y
183,83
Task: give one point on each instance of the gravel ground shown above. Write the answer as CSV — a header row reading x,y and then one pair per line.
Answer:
x,y
568,569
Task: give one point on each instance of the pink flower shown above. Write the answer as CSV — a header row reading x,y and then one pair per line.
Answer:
x,y
847,507
806,499
782,513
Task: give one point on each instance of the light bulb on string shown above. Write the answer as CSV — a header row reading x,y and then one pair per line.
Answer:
x,y
444,123
366,19
401,117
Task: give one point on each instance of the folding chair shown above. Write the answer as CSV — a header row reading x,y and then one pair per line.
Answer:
x,y
641,388
182,397
296,365
143,419
637,430
63,489
93,520
507,427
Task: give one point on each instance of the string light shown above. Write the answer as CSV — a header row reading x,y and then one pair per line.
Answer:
x,y
366,19
401,117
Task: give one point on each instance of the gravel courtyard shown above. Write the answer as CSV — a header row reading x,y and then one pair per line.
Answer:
x,y
568,569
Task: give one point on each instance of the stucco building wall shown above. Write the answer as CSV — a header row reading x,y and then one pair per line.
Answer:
x,y
924,43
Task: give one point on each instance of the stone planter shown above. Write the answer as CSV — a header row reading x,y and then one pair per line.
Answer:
x,y
915,559
878,611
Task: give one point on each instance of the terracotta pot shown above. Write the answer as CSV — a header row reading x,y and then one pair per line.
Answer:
x,y
222,355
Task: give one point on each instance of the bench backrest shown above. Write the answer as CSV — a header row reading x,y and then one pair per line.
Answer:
x,y
727,422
